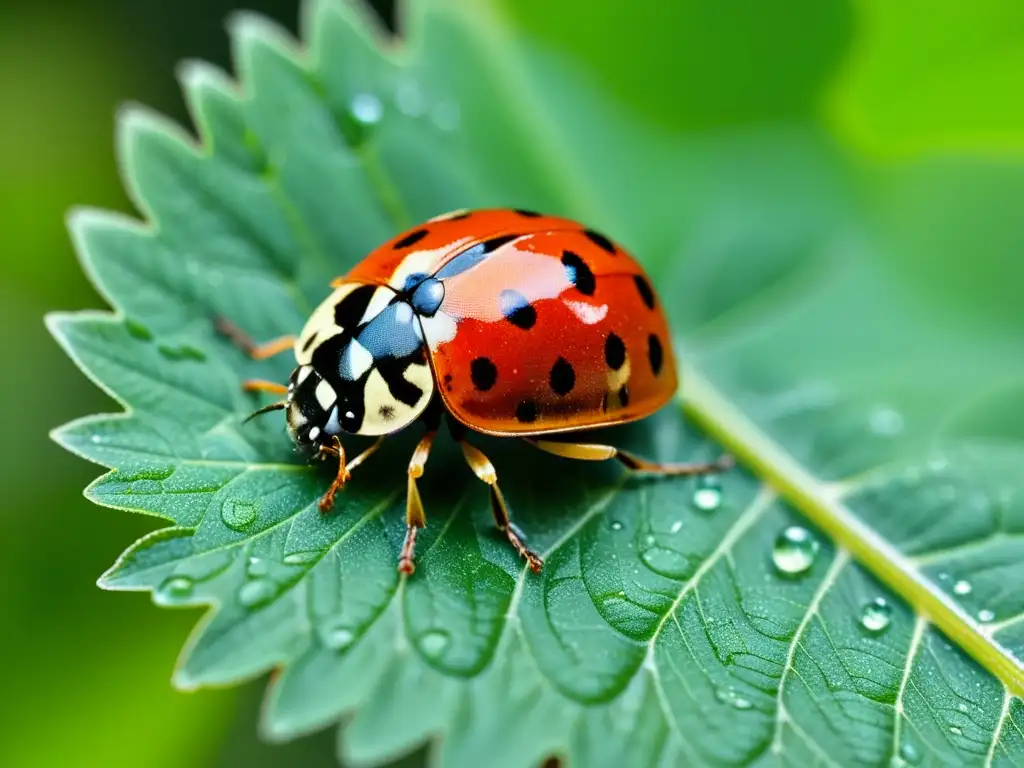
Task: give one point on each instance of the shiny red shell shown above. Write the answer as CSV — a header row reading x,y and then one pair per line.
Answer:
x,y
547,326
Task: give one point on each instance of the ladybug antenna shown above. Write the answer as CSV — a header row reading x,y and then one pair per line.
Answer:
x,y
266,409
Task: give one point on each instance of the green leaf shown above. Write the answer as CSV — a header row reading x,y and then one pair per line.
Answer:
x,y
847,597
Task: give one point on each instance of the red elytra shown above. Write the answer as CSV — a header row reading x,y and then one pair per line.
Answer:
x,y
513,323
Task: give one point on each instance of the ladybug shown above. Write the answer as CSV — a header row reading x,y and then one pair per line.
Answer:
x,y
509,322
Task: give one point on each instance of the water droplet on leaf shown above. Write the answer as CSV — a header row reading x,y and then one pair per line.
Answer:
x,y
258,566
707,496
409,98
677,526
962,588
876,615
446,115
616,525
909,753
256,592
173,590
985,615
885,421
734,700
339,638
435,643
302,558
794,551
366,108
237,514
956,730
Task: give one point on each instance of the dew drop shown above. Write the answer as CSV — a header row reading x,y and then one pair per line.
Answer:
x,y
237,514
962,588
734,700
95,439
956,730
409,99
885,421
794,551
173,590
909,753
649,540
339,638
366,108
616,525
677,526
985,615
707,496
435,643
446,115
256,592
302,558
962,707
876,615
258,566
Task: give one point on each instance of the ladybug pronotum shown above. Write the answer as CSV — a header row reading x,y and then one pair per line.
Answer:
x,y
510,323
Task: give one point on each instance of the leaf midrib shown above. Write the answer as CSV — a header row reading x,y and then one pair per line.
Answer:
x,y
818,502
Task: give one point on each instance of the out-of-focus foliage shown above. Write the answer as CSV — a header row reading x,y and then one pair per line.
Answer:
x,y
949,200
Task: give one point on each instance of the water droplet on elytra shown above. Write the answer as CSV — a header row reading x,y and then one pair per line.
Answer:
x,y
435,643
256,592
237,514
962,588
794,551
876,615
707,496
367,108
985,615
173,590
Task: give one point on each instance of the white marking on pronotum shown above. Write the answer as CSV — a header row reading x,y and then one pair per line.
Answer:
x,y
325,395
378,302
314,433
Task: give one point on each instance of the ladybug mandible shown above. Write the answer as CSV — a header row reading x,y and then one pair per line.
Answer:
x,y
512,323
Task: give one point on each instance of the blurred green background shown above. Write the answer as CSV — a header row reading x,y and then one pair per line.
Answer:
x,y
931,86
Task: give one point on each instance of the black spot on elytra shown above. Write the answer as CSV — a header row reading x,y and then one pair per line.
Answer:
x,y
483,373
350,310
562,377
496,242
655,353
614,352
644,288
517,309
411,239
526,411
310,341
526,213
579,273
448,382
601,241
624,396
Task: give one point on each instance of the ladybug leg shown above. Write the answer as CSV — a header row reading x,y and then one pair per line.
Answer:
x,y
483,469
240,339
597,452
415,517
335,448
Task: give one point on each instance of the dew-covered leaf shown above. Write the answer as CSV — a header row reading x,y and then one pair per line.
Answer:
x,y
849,596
